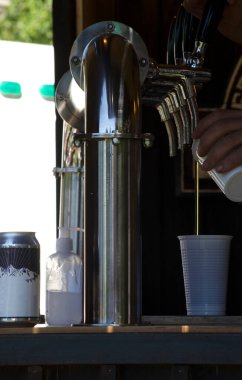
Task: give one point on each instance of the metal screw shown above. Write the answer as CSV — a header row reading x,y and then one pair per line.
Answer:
x,y
148,140
60,97
77,142
116,141
75,60
110,27
143,62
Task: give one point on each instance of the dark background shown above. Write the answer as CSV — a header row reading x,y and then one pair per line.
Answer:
x,y
166,212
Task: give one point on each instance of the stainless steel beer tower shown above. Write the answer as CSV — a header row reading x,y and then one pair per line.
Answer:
x,y
109,62
101,164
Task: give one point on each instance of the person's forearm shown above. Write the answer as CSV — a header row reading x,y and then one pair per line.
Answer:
x,y
220,135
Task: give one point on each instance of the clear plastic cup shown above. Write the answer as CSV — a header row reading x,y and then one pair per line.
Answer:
x,y
230,183
205,262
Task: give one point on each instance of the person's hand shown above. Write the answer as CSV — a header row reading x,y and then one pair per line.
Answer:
x,y
231,23
220,135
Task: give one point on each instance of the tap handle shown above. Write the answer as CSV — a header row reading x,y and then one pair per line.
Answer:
x,y
178,38
210,20
170,58
175,54
190,27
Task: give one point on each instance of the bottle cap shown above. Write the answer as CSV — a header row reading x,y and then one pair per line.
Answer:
x,y
63,244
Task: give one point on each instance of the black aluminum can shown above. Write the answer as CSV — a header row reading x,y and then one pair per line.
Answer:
x,y
19,278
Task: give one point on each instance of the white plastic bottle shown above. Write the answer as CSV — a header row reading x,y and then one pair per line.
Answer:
x,y
63,285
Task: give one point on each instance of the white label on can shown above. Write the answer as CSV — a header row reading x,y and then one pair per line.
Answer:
x,y
19,292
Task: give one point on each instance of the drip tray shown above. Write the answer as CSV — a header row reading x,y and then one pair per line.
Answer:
x,y
191,320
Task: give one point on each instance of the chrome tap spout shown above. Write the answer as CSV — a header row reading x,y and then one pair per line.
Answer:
x,y
165,100
175,112
171,129
181,82
176,85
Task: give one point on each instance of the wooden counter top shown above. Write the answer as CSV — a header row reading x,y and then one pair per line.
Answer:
x,y
150,324
183,340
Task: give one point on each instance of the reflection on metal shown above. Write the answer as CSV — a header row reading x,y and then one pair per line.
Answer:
x,y
71,189
70,101
99,100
